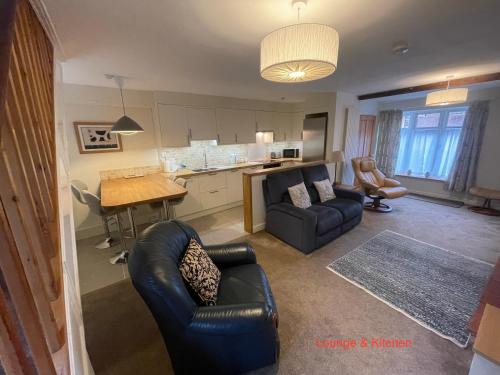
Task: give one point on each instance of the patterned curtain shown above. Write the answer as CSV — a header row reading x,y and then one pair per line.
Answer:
x,y
463,172
388,138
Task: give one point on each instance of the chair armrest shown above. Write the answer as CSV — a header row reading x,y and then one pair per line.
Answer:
x,y
233,319
349,194
368,185
389,182
231,254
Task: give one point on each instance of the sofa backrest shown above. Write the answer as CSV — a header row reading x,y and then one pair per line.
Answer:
x,y
311,174
278,183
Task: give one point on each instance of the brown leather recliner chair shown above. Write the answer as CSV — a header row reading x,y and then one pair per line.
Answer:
x,y
375,184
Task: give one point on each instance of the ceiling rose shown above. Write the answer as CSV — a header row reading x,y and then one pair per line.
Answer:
x,y
299,53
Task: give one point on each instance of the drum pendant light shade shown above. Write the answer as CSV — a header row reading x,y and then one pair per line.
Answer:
x,y
126,126
446,97
299,53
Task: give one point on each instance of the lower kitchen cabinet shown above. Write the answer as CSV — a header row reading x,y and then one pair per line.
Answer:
x,y
192,200
234,179
213,198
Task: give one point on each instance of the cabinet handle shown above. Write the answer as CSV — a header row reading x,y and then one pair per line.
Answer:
x,y
233,170
218,138
236,137
256,126
212,173
190,134
213,191
302,135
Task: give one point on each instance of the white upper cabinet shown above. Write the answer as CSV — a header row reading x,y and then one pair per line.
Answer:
x,y
201,124
264,120
282,126
173,125
235,126
297,126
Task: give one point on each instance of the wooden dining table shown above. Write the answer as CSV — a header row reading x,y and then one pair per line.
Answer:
x,y
130,192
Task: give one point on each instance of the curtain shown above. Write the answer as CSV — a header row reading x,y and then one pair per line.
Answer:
x,y
388,138
464,169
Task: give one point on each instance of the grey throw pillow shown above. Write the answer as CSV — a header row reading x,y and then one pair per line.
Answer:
x,y
200,272
325,190
300,196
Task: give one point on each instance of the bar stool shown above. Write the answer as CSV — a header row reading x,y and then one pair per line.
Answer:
x,y
175,202
94,204
163,206
78,188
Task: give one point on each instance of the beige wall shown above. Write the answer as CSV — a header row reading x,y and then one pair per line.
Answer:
x,y
87,103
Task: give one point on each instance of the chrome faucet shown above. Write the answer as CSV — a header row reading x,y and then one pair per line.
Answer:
x,y
205,157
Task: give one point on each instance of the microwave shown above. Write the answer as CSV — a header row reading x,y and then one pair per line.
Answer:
x,y
291,153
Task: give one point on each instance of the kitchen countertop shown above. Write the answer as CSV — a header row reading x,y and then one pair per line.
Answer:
x,y
298,164
190,173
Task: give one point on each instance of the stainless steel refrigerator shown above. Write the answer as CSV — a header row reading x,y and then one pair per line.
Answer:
x,y
314,137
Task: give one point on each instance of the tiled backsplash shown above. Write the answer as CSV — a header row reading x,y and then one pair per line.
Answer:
x,y
192,156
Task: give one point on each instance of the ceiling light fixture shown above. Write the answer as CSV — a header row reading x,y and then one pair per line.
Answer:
x,y
446,97
299,53
125,125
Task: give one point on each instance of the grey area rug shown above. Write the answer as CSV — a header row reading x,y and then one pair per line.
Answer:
x,y
440,201
436,288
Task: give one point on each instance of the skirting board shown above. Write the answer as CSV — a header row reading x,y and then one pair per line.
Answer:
x,y
146,219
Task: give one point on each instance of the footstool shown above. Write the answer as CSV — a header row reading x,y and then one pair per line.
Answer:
x,y
488,195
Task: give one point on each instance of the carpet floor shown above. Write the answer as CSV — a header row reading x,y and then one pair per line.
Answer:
x,y
313,303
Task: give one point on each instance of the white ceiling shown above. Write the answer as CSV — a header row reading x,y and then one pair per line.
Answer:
x,y
212,46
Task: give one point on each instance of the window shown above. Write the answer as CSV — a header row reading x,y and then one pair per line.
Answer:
x,y
429,141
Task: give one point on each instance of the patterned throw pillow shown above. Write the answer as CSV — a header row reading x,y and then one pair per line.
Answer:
x,y
200,272
300,196
325,190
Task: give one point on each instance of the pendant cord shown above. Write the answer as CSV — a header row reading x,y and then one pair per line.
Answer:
x,y
123,103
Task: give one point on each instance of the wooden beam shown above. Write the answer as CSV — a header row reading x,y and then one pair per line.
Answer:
x,y
433,86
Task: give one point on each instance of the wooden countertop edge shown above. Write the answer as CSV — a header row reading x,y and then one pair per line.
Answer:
x,y
145,201
261,172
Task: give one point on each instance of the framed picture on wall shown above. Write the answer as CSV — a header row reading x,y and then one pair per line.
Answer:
x,y
96,137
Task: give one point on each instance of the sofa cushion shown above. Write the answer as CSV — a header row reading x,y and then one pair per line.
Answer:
x,y
311,174
278,184
299,196
201,274
244,284
328,218
348,207
325,190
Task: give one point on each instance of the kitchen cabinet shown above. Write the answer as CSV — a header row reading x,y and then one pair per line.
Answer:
x,y
213,198
282,126
212,181
235,126
234,180
264,120
192,200
173,125
297,126
201,123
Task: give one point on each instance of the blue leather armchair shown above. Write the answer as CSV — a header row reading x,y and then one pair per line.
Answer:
x,y
237,335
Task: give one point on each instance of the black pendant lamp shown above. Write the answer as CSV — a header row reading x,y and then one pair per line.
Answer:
x,y
125,125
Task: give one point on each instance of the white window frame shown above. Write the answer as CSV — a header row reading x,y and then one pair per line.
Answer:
x,y
443,120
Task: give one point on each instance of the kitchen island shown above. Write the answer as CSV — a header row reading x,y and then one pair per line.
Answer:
x,y
253,197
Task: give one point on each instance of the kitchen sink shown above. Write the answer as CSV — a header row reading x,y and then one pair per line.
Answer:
x,y
204,169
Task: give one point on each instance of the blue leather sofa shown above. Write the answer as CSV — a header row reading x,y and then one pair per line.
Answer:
x,y
237,335
311,228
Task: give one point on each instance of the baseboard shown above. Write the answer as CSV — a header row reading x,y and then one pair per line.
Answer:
x,y
467,199
214,210
259,227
